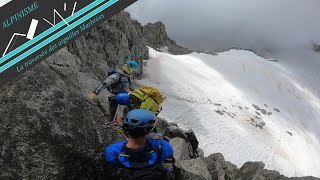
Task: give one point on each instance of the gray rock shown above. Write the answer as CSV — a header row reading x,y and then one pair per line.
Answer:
x,y
200,152
174,131
256,171
154,135
256,107
192,153
263,111
166,138
162,126
180,147
231,171
55,130
216,165
192,139
192,169
290,133
173,124
219,112
258,122
157,37
249,169
301,178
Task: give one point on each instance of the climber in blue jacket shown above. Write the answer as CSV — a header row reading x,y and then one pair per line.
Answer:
x,y
138,157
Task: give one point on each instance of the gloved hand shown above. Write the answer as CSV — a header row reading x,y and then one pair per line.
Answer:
x,y
91,96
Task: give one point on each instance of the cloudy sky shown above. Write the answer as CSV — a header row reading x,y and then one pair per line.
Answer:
x,y
220,24
281,29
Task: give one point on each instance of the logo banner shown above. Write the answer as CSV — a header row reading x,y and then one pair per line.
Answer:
x,y
32,30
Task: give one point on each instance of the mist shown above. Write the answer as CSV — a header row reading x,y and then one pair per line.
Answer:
x,y
222,24
284,30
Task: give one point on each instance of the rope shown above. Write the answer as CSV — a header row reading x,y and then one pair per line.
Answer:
x,y
115,122
122,133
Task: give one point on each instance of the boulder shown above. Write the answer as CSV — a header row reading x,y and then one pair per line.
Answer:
x,y
192,169
192,139
250,169
231,170
174,131
180,147
200,152
216,165
162,126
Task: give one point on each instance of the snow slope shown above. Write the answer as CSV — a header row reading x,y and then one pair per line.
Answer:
x,y
214,96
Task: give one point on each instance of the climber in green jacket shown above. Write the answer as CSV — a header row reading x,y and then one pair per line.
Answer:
x,y
118,81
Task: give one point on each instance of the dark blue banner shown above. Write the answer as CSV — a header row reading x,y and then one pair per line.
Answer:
x,y
32,30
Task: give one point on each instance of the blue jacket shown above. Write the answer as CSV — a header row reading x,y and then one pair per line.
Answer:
x,y
114,150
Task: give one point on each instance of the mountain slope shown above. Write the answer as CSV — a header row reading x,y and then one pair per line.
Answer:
x,y
242,105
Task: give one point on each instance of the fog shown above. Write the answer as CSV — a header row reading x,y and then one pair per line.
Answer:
x,y
221,24
283,29
269,25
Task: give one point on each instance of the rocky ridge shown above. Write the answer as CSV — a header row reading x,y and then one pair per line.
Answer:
x,y
48,130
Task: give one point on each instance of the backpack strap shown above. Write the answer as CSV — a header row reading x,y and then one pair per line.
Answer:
x,y
125,152
129,80
158,151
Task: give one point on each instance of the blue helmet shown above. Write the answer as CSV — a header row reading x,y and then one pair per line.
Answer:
x,y
133,64
123,99
140,118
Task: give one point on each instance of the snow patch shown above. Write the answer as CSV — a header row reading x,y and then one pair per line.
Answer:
x,y
214,96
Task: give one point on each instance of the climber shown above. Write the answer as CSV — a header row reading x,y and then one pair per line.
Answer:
x,y
147,97
118,81
139,157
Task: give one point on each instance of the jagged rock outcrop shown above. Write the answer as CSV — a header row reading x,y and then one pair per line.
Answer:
x,y
47,128
193,139
192,169
174,131
180,146
156,36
